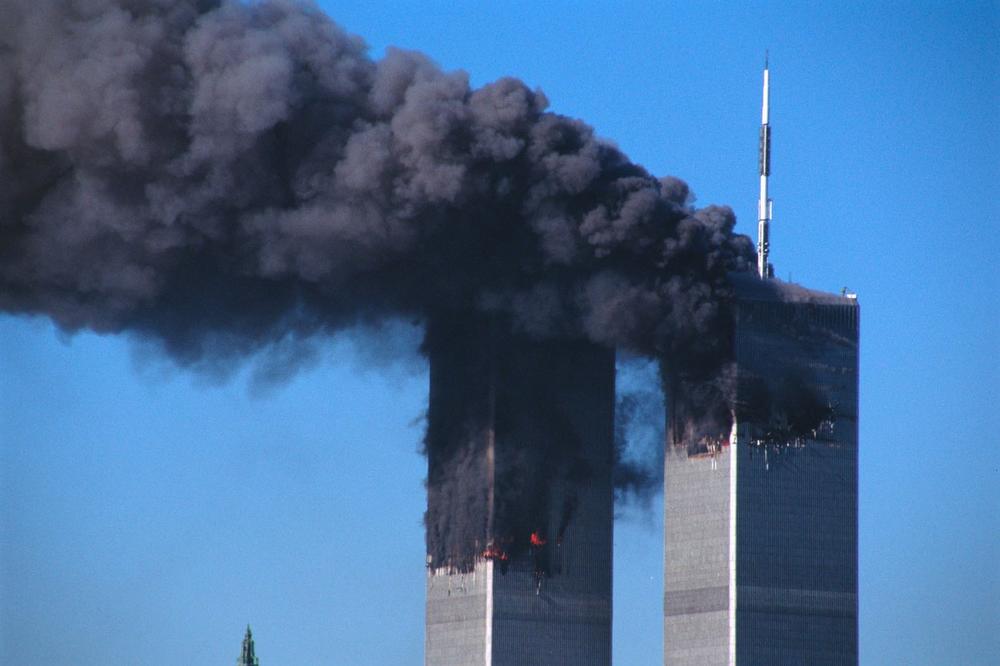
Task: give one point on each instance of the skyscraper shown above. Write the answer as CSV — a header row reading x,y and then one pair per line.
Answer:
x,y
520,500
761,522
247,656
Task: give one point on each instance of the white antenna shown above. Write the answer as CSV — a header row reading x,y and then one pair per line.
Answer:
x,y
764,269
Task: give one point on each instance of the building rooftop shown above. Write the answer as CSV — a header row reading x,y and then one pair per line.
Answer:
x,y
750,287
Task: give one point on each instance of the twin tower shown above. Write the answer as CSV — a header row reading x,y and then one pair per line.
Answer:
x,y
760,544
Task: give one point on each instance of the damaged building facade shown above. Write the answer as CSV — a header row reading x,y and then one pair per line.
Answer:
x,y
761,521
520,500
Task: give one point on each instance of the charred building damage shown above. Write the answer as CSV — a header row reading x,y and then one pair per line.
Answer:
x,y
761,509
520,500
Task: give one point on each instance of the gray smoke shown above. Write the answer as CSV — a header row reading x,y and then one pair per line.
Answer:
x,y
639,433
222,178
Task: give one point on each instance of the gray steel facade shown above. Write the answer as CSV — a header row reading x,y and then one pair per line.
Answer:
x,y
498,614
761,541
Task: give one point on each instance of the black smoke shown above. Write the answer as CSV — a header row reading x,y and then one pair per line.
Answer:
x,y
516,426
226,178
784,411
780,405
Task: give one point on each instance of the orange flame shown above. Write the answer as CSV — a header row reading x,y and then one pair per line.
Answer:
x,y
537,540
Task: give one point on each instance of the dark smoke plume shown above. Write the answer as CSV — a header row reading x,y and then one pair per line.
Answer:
x,y
225,178
515,427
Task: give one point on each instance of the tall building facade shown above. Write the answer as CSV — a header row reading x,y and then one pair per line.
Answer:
x,y
761,523
520,499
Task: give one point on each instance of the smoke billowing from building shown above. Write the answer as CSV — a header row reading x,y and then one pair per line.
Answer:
x,y
226,178
515,428
222,177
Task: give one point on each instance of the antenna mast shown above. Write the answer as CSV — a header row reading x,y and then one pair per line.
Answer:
x,y
764,269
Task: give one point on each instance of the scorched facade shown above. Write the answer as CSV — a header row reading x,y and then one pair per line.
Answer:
x,y
761,522
520,498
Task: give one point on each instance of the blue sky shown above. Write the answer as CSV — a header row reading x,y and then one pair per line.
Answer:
x,y
147,514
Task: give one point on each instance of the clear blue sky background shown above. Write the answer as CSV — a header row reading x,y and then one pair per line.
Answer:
x,y
146,515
